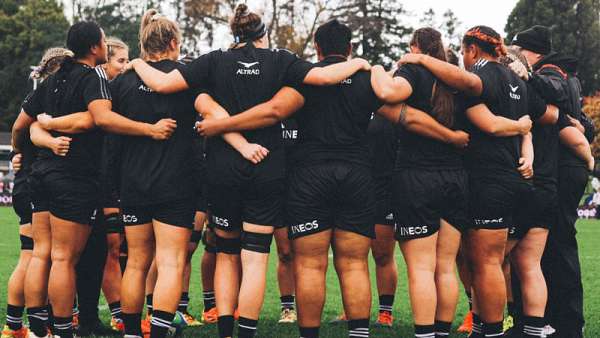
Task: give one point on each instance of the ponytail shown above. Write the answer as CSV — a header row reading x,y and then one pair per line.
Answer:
x,y
51,62
429,41
156,33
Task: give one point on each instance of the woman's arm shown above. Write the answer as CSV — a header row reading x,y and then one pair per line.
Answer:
x,y
421,123
105,118
42,139
495,125
161,82
75,123
526,160
211,111
550,116
285,102
579,145
335,73
19,130
389,89
452,75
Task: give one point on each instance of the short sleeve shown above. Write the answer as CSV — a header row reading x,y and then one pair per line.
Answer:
x,y
486,78
293,68
197,74
114,89
96,87
33,105
550,85
536,104
411,74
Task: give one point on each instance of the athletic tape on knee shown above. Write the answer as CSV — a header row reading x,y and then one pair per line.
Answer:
x,y
26,243
256,242
196,236
231,246
112,223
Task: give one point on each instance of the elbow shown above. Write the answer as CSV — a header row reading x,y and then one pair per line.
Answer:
x,y
101,122
85,124
386,95
319,80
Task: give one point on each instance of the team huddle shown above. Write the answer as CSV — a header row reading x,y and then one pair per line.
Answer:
x,y
480,168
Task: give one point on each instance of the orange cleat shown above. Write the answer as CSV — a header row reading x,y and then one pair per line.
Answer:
x,y
117,324
210,316
385,319
146,325
467,324
20,333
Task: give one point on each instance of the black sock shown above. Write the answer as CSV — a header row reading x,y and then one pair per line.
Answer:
x,y
225,325
442,329
63,326
287,302
38,318
470,299
424,331
358,328
161,323
149,304
386,303
533,327
511,308
184,302
14,317
477,331
132,323
115,310
309,332
246,327
209,299
493,329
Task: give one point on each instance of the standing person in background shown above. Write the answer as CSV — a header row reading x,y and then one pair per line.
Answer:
x,y
561,259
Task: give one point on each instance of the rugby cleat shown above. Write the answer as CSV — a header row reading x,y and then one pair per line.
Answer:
x,y
23,332
467,324
210,316
384,319
288,316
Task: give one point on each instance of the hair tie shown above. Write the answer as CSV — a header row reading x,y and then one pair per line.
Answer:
x,y
156,17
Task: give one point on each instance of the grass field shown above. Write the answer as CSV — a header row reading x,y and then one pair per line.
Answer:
x,y
589,240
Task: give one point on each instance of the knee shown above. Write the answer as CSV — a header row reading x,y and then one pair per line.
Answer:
x,y
382,258
139,262
62,256
113,252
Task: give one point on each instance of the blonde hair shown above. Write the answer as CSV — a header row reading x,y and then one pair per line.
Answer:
x,y
156,33
51,61
114,44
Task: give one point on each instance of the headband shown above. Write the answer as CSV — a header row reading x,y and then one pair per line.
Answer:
x,y
256,34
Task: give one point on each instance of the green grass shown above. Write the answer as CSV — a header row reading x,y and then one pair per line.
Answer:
x,y
589,240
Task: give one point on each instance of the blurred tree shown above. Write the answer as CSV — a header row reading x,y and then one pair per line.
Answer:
x,y
379,27
575,28
450,27
27,29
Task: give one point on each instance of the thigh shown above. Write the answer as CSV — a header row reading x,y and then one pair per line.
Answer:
x,y
284,246
171,242
68,238
420,253
308,207
313,250
384,242
530,248
355,196
140,245
487,246
40,232
350,245
415,201
448,243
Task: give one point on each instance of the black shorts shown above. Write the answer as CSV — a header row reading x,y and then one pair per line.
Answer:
x,y
384,214
201,200
74,198
22,206
421,198
538,211
495,200
249,201
177,213
331,195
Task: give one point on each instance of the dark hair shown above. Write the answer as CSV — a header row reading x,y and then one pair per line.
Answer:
x,y
451,57
333,38
246,26
487,39
82,36
429,41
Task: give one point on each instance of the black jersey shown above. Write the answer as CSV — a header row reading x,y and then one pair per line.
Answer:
x,y
383,142
417,151
70,91
289,133
334,120
545,141
240,79
154,172
504,94
28,154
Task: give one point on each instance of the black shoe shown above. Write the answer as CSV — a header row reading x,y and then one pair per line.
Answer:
x,y
96,328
